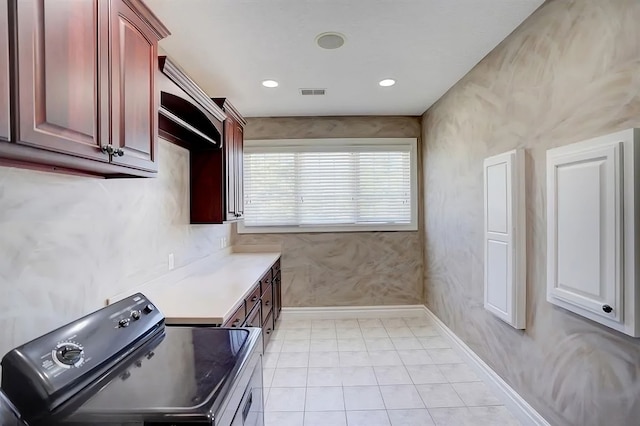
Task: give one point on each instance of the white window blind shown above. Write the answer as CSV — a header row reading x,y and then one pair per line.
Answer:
x,y
329,185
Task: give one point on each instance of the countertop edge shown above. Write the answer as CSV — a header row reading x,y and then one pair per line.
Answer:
x,y
217,264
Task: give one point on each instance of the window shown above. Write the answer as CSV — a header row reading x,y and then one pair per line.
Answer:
x,y
329,185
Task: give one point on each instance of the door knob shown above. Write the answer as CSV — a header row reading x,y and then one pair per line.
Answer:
x,y
607,308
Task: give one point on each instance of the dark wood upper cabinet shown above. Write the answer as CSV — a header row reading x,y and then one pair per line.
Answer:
x,y
4,73
216,176
239,169
58,77
84,79
134,64
229,147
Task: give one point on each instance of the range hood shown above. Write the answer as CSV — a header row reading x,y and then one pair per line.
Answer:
x,y
187,116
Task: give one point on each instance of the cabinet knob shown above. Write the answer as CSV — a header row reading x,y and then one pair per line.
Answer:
x,y
607,308
107,149
254,298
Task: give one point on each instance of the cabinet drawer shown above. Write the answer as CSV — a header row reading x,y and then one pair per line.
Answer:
x,y
253,319
265,281
237,318
253,299
275,268
267,301
267,329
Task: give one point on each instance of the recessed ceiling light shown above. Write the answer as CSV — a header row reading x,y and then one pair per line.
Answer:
x,y
270,83
387,82
330,40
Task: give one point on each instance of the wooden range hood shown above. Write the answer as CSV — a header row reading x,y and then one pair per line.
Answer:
x,y
187,116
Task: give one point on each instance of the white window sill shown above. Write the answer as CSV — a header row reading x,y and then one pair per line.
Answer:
x,y
242,229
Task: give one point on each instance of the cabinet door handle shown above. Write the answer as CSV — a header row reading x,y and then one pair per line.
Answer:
x,y
267,303
111,151
607,308
235,322
254,298
268,331
107,149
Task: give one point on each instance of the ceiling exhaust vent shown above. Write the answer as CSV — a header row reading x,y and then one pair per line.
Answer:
x,y
312,92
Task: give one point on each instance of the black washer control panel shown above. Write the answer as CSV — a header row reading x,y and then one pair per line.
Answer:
x,y
37,375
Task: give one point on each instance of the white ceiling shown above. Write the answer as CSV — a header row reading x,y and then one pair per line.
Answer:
x,y
229,46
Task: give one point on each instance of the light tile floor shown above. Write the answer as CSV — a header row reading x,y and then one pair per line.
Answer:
x,y
372,372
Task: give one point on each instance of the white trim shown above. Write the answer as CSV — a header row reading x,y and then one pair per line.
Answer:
x,y
511,399
348,144
350,312
264,145
242,229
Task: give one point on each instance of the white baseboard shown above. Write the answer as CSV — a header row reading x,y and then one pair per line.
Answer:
x,y
511,399
350,312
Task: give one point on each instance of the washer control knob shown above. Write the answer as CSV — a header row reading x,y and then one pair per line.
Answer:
x,y
135,315
69,354
124,322
149,308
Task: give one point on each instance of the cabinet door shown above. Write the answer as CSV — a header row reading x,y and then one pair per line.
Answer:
x,y
59,49
277,295
584,231
239,184
4,73
135,102
504,233
230,168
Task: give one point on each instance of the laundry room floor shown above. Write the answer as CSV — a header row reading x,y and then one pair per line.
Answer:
x,y
372,372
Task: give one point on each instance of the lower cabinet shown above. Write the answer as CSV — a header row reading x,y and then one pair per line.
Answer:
x,y
261,308
254,317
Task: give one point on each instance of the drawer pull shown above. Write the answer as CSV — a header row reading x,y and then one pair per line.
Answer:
x,y
254,298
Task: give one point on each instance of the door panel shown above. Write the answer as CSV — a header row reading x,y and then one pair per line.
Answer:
x,y
230,167
4,73
585,230
239,184
504,233
134,98
58,56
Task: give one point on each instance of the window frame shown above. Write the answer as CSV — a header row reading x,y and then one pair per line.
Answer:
x,y
323,144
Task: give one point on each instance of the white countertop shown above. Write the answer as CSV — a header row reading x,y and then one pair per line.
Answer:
x,y
211,291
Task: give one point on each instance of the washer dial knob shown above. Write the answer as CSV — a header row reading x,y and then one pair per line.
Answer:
x,y
68,354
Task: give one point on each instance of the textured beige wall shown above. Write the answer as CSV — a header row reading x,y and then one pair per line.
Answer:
x,y
570,72
355,268
67,243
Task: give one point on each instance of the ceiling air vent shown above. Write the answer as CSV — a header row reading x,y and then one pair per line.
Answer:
x,y
312,92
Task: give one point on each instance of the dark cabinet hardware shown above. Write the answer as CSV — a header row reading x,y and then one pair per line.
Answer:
x,y
607,309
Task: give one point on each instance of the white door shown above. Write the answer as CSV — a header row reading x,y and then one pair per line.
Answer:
x,y
584,223
504,226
